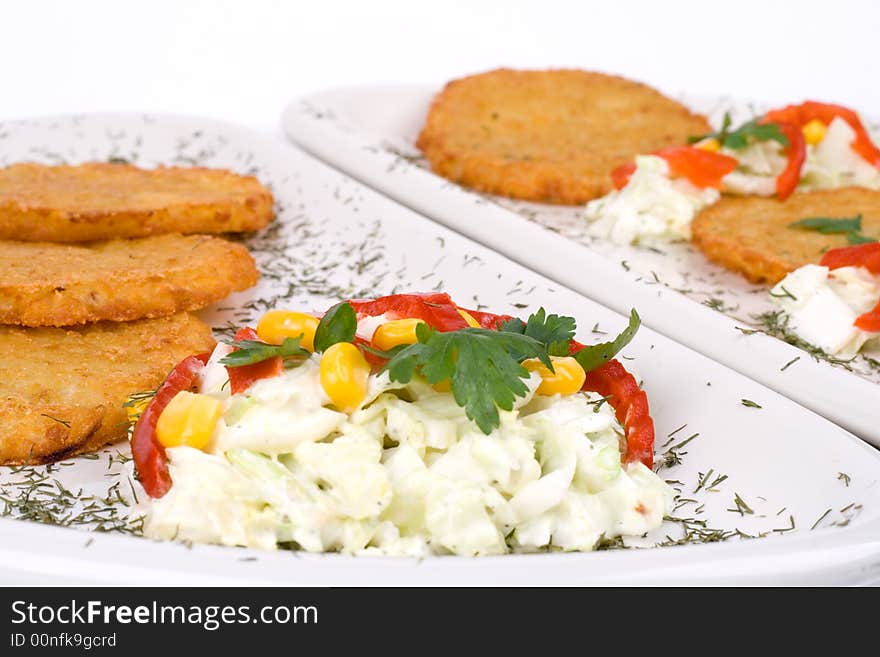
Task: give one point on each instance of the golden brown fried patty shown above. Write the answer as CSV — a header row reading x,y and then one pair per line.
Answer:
x,y
62,391
550,136
43,284
99,201
751,235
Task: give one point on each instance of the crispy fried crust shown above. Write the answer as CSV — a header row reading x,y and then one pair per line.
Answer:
x,y
551,136
99,201
61,391
44,284
750,235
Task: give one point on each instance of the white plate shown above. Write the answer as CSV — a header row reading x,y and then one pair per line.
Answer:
x,y
783,461
369,132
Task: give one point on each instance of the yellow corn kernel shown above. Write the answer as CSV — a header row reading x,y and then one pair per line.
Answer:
x,y
814,132
276,325
189,419
467,317
566,379
443,386
396,332
344,375
711,144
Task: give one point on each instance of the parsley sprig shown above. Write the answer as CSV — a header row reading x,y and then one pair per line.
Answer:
x,y
483,366
597,355
747,133
554,331
849,226
249,352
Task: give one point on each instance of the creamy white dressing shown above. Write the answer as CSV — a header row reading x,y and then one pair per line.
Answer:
x,y
652,207
823,304
405,474
367,325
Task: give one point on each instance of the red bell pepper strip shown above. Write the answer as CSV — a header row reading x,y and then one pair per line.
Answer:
x,y
702,168
811,110
630,404
621,175
860,255
870,321
242,378
796,155
437,310
146,450
488,320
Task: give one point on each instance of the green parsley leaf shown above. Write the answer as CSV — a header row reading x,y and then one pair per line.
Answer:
x,y
830,226
249,352
858,238
383,353
748,132
483,367
721,135
598,354
554,331
849,226
338,325
754,131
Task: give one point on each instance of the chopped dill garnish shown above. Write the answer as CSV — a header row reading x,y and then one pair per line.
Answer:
x,y
821,518
845,478
750,404
615,543
790,363
672,456
66,423
717,304
36,496
741,507
791,526
785,294
696,531
597,403
775,323
704,481
671,434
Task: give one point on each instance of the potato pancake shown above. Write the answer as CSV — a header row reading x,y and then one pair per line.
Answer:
x,y
62,391
43,284
751,235
100,201
552,136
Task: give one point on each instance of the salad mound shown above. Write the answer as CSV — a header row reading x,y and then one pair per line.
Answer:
x,y
803,147
403,425
835,305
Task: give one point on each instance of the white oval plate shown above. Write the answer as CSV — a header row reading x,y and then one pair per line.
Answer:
x,y
812,488
369,133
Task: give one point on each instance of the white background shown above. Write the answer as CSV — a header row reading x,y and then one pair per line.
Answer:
x,y
243,61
